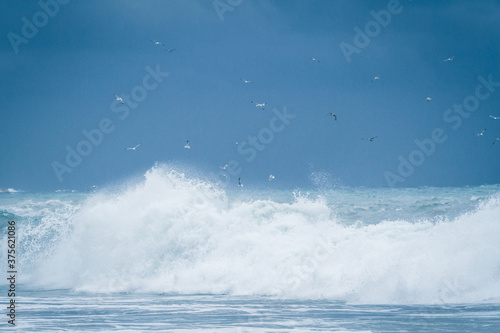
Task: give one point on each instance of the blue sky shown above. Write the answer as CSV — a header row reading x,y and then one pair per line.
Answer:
x,y
62,79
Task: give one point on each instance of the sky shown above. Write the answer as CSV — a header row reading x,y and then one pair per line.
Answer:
x,y
62,62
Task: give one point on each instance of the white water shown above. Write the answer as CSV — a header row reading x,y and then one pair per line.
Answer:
x,y
173,234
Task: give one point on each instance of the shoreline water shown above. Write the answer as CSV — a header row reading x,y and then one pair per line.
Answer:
x,y
58,310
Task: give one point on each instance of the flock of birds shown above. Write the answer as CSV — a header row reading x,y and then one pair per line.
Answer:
x,y
263,105
187,145
428,99
494,118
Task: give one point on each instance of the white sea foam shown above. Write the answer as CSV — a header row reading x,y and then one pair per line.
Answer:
x,y
8,190
174,234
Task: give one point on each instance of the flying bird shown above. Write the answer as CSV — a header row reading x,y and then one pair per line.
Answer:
x,y
333,115
246,81
494,117
370,139
224,167
118,98
376,78
170,50
314,59
187,146
239,182
157,43
497,139
482,132
133,148
428,99
271,177
449,59
261,105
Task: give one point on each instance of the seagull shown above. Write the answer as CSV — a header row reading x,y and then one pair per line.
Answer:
x,y
246,81
497,139
314,59
494,117
170,50
239,182
262,105
187,146
157,43
224,167
482,132
449,59
118,98
333,115
376,78
428,99
370,139
271,177
133,148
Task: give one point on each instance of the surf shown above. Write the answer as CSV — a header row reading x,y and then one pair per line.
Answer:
x,y
174,234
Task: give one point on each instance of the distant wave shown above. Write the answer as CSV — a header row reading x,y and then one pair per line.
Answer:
x,y
173,234
9,190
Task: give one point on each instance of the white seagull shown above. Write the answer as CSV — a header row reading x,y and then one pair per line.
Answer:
x,y
497,139
370,139
118,98
239,182
314,59
494,117
224,167
246,81
376,78
170,50
482,132
187,146
157,43
449,59
428,99
271,177
261,105
133,148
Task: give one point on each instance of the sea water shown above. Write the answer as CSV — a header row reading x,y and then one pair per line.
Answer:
x,y
175,253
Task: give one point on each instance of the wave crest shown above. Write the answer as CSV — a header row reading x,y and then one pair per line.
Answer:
x,y
173,234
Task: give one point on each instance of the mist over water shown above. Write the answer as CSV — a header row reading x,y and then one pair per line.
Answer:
x,y
169,233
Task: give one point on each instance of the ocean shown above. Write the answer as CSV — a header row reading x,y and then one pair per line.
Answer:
x,y
174,253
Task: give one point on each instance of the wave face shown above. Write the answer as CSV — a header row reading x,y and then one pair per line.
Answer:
x,y
169,233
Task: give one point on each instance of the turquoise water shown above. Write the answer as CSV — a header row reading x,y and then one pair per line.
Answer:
x,y
174,253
